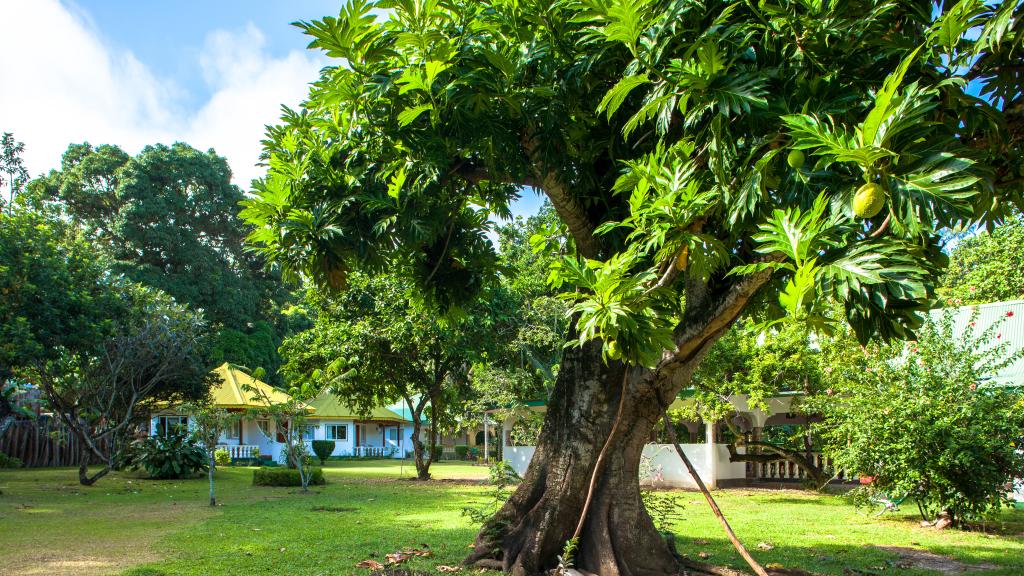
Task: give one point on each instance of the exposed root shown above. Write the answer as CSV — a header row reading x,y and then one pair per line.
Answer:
x,y
488,563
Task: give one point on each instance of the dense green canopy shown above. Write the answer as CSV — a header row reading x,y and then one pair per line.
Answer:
x,y
652,126
167,218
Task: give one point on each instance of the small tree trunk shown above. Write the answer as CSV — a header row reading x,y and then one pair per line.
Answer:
x,y
435,407
422,467
209,473
83,472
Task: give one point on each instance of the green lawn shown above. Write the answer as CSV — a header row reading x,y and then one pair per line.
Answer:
x,y
137,527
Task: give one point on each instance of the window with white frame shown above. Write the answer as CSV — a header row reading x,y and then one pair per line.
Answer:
x,y
234,432
337,432
264,426
307,432
167,425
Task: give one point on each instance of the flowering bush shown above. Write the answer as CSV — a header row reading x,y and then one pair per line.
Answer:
x,y
920,419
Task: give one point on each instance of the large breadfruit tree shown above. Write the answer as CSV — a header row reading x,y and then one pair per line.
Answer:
x,y
701,156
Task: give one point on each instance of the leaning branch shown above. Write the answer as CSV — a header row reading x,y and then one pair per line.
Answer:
x,y
754,565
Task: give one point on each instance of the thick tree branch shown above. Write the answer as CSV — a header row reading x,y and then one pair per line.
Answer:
x,y
703,324
565,204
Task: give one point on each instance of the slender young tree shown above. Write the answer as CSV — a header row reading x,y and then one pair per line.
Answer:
x,y
700,157
208,424
290,421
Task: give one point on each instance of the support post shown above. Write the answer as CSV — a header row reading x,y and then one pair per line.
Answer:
x,y
487,452
712,455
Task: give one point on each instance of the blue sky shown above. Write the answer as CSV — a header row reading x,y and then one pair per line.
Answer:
x,y
210,73
169,35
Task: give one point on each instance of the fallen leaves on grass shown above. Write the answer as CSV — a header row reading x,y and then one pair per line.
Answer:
x,y
765,546
403,555
448,569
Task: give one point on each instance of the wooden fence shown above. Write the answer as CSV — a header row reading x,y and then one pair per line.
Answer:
x,y
43,442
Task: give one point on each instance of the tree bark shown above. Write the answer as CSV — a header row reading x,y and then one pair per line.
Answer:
x,y
83,470
618,536
422,465
209,473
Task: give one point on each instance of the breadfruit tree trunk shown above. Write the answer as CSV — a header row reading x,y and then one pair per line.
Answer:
x,y
529,532
618,537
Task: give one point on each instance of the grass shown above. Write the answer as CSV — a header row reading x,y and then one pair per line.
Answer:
x,y
136,527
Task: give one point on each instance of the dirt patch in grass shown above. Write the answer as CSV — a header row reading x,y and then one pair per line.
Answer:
x,y
924,560
75,563
334,509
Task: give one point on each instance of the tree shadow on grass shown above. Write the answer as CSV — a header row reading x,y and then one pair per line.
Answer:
x,y
875,559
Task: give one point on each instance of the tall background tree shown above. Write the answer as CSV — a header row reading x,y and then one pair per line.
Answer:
x,y
167,218
377,345
700,157
13,173
103,351
987,267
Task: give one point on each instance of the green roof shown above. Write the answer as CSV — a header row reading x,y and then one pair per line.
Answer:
x,y
328,406
1011,329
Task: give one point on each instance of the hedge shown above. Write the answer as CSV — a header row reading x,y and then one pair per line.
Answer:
x,y
285,477
461,452
9,461
323,449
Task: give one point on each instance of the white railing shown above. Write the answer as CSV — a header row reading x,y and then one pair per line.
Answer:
x,y
784,470
240,450
374,451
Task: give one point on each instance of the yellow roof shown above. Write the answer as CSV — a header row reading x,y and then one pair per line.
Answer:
x,y
230,390
329,406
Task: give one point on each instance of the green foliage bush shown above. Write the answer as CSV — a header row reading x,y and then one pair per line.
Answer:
x,y
285,477
461,452
222,457
920,420
9,461
323,449
170,457
438,451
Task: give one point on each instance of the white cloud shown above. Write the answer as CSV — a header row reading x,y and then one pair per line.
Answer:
x,y
60,83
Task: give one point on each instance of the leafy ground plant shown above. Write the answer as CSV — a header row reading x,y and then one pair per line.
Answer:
x,y
169,457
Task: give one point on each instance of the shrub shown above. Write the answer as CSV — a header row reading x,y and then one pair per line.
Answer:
x,y
461,452
323,449
916,419
174,456
438,450
9,461
285,477
222,457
